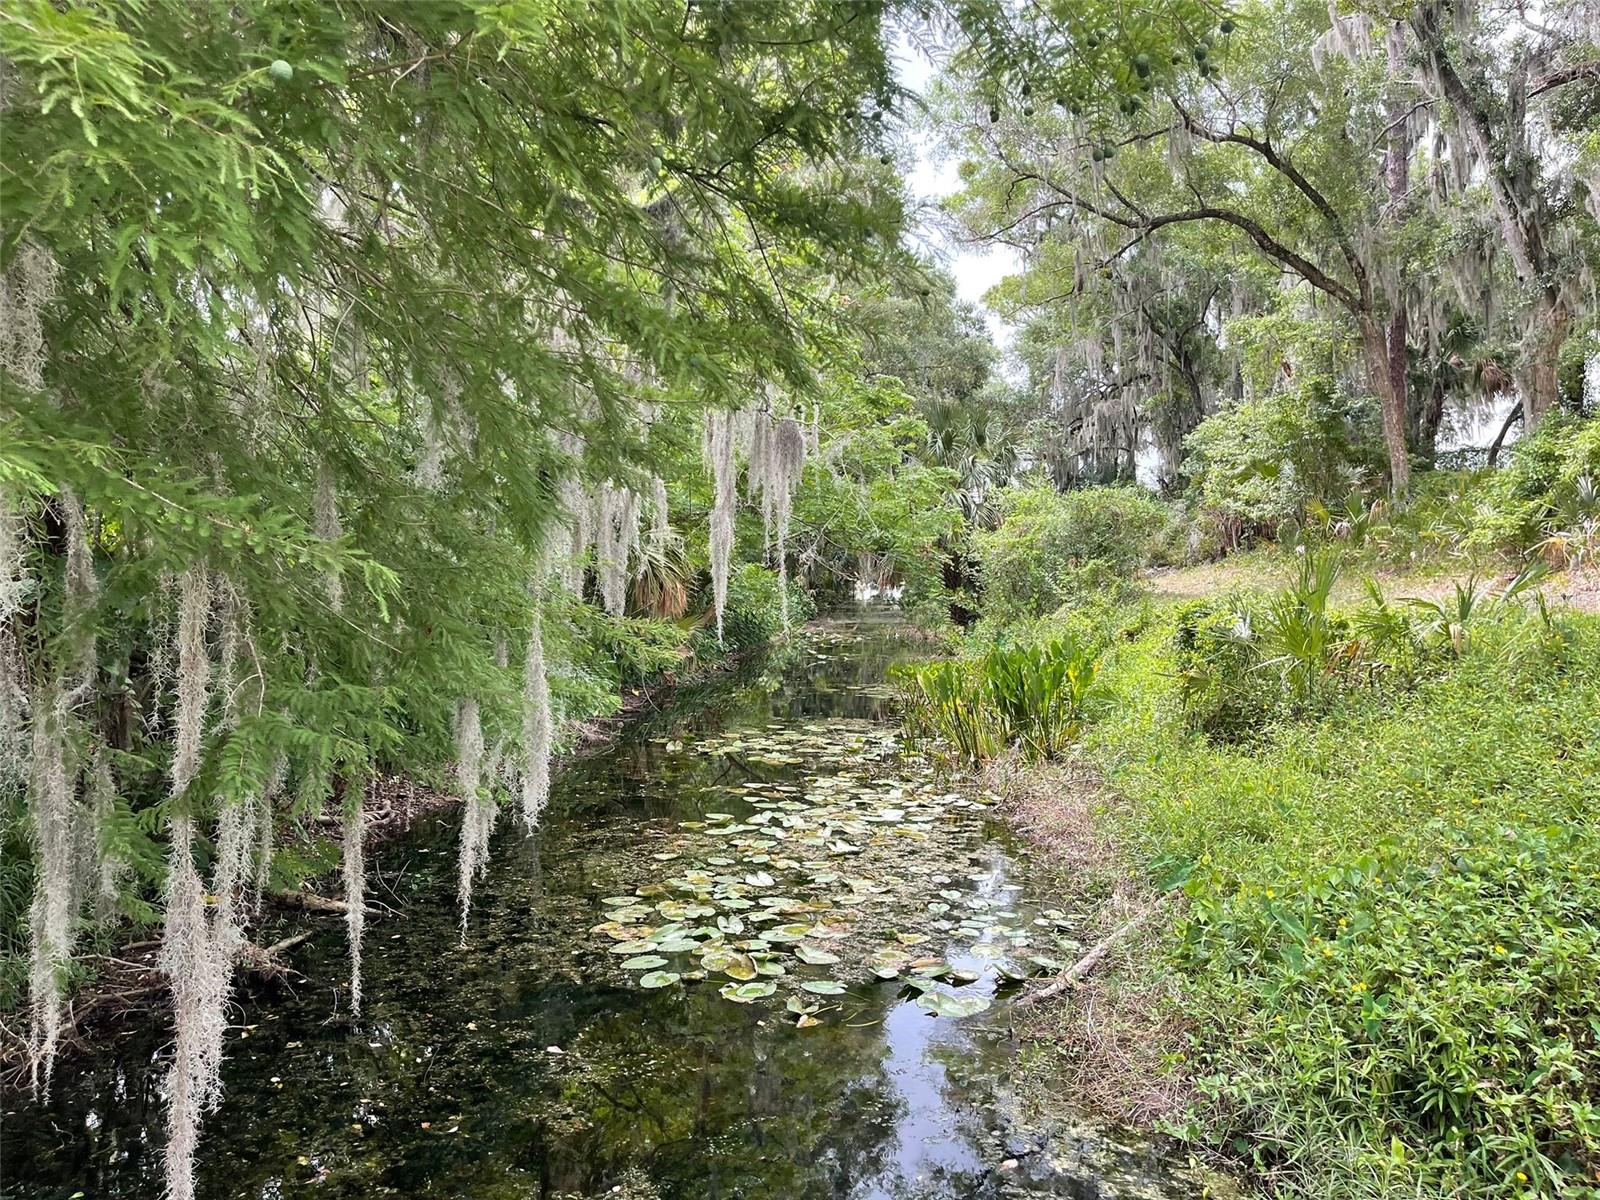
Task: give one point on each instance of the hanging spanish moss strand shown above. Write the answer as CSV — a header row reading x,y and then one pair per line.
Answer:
x,y
436,433
196,958
112,867
25,288
660,518
760,469
617,542
194,675
579,505
55,896
789,458
267,830
14,589
199,966
329,529
355,887
535,724
718,448
476,814
59,828
82,587
161,652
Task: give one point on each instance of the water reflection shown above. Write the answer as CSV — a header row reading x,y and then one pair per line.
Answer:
x,y
511,1068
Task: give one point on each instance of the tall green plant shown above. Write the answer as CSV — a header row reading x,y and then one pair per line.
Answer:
x,y
1037,697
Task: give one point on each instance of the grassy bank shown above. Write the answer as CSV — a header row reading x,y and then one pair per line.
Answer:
x,y
1381,977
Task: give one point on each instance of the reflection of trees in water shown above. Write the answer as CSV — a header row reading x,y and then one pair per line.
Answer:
x,y
706,1099
714,1105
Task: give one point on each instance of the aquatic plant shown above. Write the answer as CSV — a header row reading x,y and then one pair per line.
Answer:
x,y
1035,696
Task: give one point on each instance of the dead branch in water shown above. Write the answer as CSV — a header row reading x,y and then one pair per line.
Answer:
x,y
1078,971
312,902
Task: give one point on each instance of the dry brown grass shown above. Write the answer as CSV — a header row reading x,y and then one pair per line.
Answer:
x,y
1577,590
1110,1046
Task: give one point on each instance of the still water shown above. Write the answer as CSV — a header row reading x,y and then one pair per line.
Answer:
x,y
528,1063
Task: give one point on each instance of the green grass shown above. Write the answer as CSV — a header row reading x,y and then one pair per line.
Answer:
x,y
1389,956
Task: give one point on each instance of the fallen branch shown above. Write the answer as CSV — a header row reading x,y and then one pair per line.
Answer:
x,y
311,902
265,960
1079,971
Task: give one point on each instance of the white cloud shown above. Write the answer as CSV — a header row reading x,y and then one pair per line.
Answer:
x,y
931,178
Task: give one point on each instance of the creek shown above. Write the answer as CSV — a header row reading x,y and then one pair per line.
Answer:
x,y
830,936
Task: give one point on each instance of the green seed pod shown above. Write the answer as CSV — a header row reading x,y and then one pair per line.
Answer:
x,y
280,71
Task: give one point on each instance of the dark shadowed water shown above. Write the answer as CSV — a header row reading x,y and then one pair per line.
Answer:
x,y
525,1065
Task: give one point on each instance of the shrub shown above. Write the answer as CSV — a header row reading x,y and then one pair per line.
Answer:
x,y
1260,463
1548,495
1035,696
1053,548
754,613
1392,923
1247,663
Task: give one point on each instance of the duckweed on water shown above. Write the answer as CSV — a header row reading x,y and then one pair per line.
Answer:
x,y
843,863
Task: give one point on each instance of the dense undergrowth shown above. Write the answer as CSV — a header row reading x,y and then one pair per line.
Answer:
x,y
1393,927
1379,810
1387,960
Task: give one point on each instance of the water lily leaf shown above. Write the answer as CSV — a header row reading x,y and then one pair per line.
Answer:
x,y
717,959
814,955
740,966
677,945
806,1021
644,962
798,1004
731,924
943,1004
824,987
745,993
886,972
631,948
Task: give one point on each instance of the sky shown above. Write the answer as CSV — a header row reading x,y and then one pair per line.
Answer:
x,y
931,178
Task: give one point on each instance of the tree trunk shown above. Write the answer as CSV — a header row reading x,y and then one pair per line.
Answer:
x,y
1397,176
1425,407
1538,379
1392,396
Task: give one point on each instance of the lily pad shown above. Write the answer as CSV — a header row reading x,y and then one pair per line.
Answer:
x,y
824,987
659,979
746,993
644,962
814,955
943,1004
